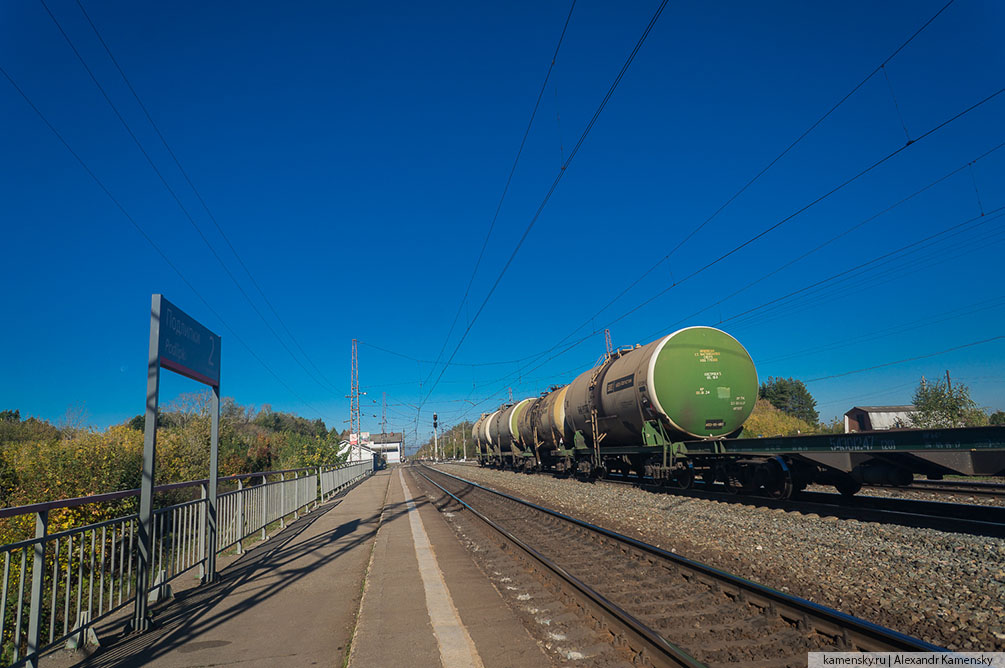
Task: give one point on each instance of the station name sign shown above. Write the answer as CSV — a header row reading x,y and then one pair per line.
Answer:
x,y
186,347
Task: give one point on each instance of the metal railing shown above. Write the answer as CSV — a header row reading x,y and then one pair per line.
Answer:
x,y
56,586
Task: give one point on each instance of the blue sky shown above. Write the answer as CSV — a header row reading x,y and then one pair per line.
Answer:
x,y
354,156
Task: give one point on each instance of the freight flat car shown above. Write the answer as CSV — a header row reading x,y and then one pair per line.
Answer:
x,y
671,411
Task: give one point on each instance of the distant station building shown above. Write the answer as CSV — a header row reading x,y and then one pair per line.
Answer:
x,y
360,448
869,418
390,445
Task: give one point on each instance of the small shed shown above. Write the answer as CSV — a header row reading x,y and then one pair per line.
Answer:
x,y
869,418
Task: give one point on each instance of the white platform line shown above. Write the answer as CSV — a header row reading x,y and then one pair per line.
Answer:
x,y
457,650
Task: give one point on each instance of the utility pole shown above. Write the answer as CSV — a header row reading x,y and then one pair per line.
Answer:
x,y
383,416
949,381
464,441
354,427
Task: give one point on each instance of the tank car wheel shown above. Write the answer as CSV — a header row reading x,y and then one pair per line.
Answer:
x,y
848,486
684,477
780,485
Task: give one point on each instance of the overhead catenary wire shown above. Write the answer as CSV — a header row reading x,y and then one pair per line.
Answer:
x,y
944,316
175,197
198,194
913,247
561,173
940,250
859,397
968,225
759,235
422,361
910,359
139,228
784,152
509,181
758,175
834,238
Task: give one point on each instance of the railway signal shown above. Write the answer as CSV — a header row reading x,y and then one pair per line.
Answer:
x,y
436,446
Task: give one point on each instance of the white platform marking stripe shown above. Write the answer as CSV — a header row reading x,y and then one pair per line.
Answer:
x,y
457,650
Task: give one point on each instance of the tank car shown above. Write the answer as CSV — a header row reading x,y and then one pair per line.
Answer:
x,y
483,442
508,447
670,411
698,382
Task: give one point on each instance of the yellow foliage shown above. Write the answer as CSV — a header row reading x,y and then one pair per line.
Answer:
x,y
766,420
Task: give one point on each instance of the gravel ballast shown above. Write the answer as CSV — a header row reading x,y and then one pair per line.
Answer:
x,y
945,588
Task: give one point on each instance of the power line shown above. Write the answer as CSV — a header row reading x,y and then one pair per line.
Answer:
x,y
421,361
562,171
509,180
944,316
910,359
834,238
781,222
198,195
844,233
758,235
172,192
757,176
150,240
859,397
882,259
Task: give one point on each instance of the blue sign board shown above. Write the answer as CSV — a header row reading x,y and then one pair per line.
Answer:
x,y
186,347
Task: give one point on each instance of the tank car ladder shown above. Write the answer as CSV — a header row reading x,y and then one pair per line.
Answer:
x,y
591,393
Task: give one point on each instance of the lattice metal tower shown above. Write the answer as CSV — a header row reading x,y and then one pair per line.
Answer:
x,y
607,342
383,414
354,426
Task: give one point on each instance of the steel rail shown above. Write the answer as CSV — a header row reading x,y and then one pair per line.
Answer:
x,y
976,519
958,487
653,643
827,620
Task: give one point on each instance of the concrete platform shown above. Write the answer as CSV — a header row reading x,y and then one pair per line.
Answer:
x,y
378,571
291,600
426,603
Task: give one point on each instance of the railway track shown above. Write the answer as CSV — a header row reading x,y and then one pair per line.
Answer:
x,y
954,487
672,611
979,520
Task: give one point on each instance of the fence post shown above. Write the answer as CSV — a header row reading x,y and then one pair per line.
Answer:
x,y
265,507
202,530
213,490
37,580
282,501
240,516
296,495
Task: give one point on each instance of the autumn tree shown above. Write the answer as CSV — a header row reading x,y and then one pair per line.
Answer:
x,y
766,420
790,396
939,406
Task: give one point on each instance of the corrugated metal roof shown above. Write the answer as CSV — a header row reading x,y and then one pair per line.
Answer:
x,y
391,437
883,409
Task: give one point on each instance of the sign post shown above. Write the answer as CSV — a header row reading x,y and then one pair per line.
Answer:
x,y
180,344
